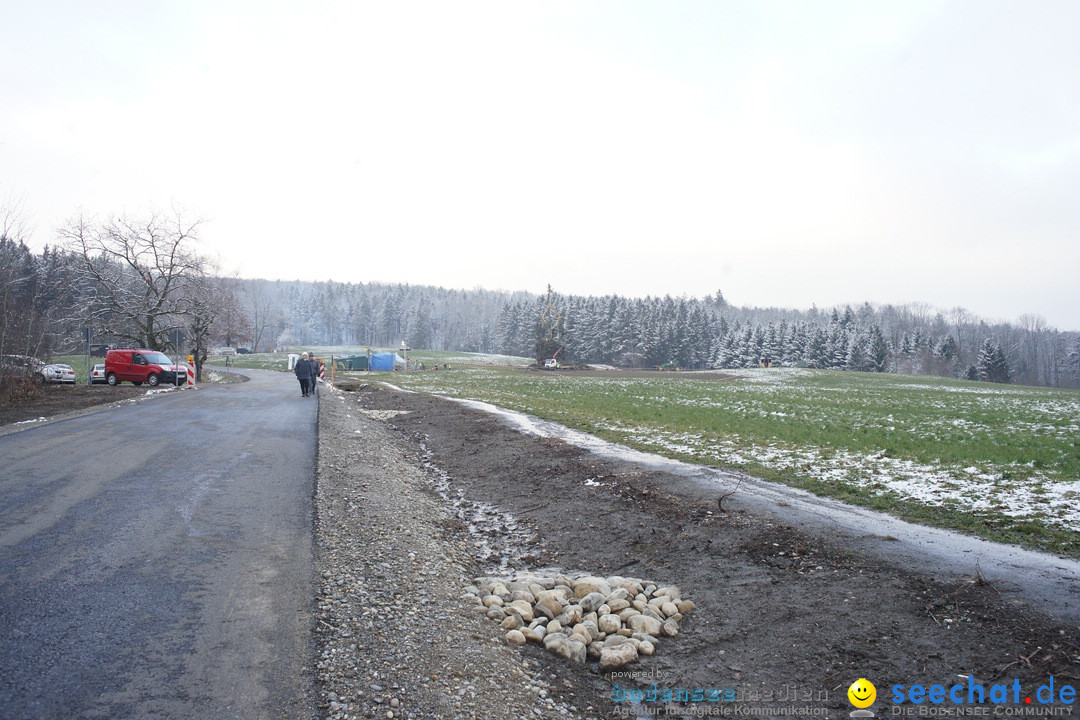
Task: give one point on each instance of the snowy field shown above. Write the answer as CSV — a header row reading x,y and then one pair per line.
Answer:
x,y
1005,455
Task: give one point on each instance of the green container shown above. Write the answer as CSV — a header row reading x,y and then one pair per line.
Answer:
x,y
354,362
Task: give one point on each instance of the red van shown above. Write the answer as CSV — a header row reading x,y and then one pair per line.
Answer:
x,y
143,366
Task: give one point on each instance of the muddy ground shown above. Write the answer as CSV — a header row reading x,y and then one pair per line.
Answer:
x,y
780,611
28,402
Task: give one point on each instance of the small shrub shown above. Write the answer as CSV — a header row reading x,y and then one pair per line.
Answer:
x,y
18,389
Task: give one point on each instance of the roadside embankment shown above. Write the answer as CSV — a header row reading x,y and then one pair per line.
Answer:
x,y
395,638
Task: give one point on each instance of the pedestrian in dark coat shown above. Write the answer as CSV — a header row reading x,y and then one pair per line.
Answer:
x,y
314,374
303,373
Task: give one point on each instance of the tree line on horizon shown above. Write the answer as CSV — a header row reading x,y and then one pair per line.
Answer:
x,y
710,333
141,282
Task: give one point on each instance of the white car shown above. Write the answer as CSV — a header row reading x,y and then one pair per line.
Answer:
x,y
58,374
97,374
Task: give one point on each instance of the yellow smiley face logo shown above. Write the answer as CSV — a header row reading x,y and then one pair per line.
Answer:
x,y
862,693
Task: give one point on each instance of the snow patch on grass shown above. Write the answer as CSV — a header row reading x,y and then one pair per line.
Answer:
x,y
769,376
967,389
473,359
1028,495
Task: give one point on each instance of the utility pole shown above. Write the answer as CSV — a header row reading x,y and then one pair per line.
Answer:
x,y
89,368
176,358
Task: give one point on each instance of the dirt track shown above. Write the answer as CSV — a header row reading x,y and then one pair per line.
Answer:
x,y
779,610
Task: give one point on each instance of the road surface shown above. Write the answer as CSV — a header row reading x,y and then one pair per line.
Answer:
x,y
156,558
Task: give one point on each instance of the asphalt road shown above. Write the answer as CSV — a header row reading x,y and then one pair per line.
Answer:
x,y
156,559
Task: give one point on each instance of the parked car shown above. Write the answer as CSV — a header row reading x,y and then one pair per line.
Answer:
x,y
97,374
139,366
57,373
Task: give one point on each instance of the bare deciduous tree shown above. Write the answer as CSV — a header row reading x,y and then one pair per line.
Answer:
x,y
141,270
960,319
262,306
202,309
232,326
1033,329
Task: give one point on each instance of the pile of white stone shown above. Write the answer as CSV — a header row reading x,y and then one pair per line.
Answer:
x,y
613,619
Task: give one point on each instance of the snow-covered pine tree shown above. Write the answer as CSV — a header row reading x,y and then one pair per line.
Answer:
x,y
837,346
728,351
992,364
748,353
795,345
508,329
1000,372
947,349
858,356
817,348
879,350
770,347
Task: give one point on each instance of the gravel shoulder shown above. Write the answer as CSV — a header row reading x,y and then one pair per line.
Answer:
x,y
396,638
418,496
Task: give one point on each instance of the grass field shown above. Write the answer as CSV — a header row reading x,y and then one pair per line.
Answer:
x,y
999,461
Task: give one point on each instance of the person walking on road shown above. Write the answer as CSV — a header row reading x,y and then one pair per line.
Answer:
x,y
303,373
314,374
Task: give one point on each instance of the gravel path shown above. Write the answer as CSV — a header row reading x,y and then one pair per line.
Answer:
x,y
396,638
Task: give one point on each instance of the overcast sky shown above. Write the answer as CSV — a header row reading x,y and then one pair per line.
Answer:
x,y
788,153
